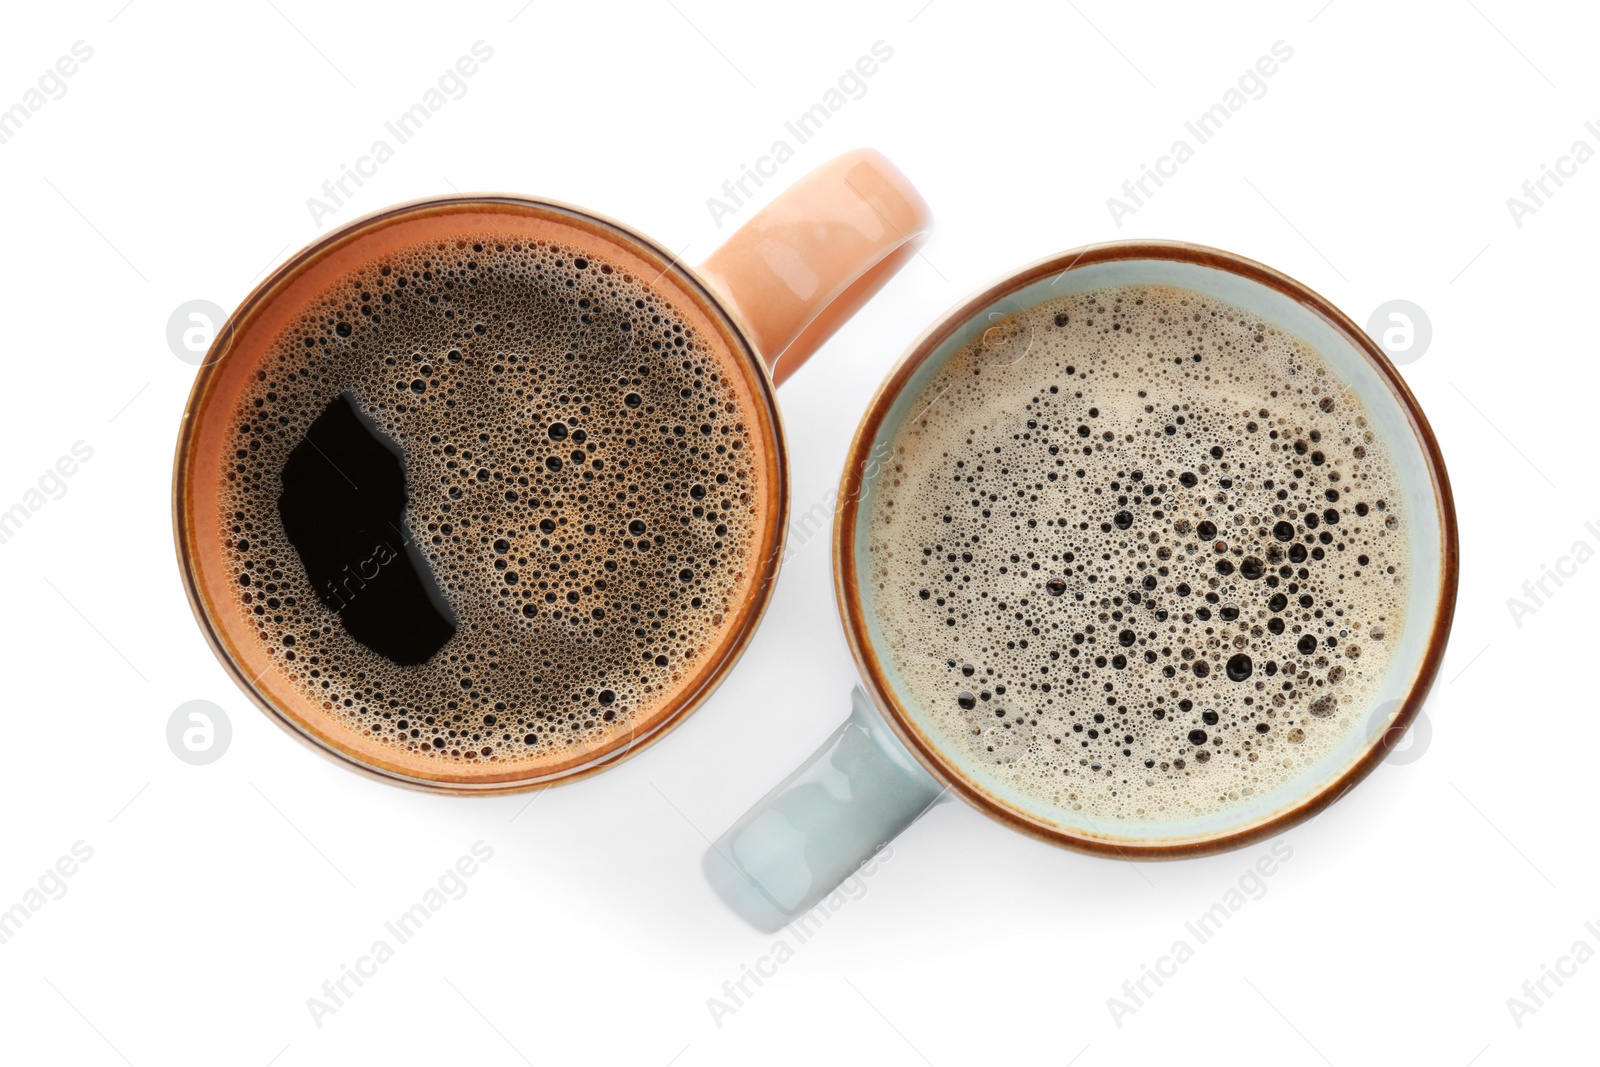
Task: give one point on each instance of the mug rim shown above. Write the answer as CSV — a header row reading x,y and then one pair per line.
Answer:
x,y
852,614
689,697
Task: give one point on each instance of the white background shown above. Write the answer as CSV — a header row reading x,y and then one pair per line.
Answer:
x,y
219,898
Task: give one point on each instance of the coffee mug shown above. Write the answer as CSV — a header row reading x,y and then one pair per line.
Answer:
x,y
542,508
1116,685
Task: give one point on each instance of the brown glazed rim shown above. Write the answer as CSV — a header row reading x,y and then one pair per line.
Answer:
x,y
928,753
694,691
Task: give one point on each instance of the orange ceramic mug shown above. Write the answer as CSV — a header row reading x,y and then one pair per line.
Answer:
x,y
752,313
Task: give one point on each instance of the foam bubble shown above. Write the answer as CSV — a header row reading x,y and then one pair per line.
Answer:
x,y
1150,568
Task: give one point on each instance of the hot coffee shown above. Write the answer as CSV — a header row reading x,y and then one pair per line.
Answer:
x,y
1139,554
490,504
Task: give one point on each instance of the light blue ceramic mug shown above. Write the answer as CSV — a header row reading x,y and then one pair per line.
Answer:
x,y
889,762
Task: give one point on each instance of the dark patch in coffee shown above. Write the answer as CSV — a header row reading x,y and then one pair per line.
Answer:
x,y
343,508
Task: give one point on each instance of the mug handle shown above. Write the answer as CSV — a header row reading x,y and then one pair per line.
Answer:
x,y
809,260
820,824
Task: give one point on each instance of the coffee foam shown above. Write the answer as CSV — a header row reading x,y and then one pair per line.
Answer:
x,y
1138,555
584,481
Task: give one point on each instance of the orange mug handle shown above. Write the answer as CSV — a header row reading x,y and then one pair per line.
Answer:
x,y
809,260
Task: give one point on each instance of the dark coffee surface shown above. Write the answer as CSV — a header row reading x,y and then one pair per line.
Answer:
x,y
490,501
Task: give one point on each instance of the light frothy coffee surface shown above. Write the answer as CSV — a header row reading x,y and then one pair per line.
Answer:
x,y
1139,555
581,482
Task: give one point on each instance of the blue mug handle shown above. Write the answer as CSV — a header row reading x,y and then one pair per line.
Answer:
x,y
820,824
